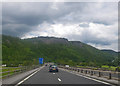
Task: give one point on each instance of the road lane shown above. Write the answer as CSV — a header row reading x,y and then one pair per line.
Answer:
x,y
42,77
62,77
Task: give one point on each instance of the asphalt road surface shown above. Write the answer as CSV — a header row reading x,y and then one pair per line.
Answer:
x,y
43,76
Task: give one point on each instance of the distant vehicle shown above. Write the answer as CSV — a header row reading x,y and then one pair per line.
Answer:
x,y
66,65
53,68
45,64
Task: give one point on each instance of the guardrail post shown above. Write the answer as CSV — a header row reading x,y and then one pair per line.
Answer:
x,y
91,72
99,74
110,76
81,71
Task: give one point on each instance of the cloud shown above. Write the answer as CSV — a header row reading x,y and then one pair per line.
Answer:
x,y
89,22
94,34
37,13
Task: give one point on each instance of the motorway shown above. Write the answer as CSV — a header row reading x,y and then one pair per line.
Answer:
x,y
43,76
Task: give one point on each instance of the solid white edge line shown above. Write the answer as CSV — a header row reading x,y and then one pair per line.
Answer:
x,y
28,77
59,79
90,78
93,79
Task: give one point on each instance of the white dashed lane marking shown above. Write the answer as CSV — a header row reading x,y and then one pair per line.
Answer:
x,y
59,79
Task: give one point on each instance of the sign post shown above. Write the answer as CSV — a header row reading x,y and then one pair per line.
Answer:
x,y
40,60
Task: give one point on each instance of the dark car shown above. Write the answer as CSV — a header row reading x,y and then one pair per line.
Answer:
x,y
53,68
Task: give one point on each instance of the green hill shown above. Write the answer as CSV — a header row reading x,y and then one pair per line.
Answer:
x,y
113,53
17,51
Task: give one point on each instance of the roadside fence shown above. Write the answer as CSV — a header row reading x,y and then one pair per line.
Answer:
x,y
98,73
9,71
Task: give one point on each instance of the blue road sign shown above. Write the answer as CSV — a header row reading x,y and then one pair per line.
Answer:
x,y
40,60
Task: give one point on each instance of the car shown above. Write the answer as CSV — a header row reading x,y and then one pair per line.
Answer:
x,y
53,68
45,64
66,65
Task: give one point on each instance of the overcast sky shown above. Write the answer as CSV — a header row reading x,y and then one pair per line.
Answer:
x,y
93,23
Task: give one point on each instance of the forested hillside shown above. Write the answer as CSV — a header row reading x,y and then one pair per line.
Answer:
x,y
16,51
